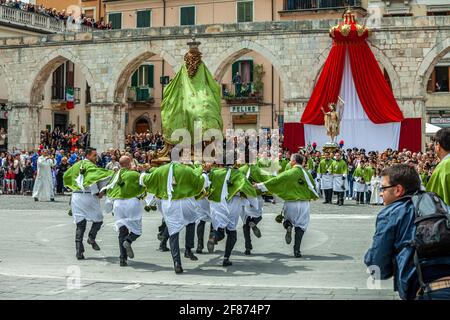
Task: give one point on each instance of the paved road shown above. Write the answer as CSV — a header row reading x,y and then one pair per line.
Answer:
x,y
38,259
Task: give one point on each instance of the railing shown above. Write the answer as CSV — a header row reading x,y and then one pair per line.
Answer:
x,y
318,4
38,21
140,94
59,94
243,90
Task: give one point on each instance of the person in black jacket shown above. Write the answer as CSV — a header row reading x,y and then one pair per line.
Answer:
x,y
61,169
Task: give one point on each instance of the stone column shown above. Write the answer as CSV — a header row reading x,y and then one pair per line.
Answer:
x,y
107,126
23,126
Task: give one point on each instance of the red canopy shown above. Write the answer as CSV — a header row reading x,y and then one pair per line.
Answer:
x,y
373,91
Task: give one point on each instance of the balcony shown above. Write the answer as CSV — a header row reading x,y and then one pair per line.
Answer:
x,y
37,22
311,5
59,94
242,94
142,94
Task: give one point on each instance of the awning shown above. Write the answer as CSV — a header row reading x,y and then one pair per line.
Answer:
x,y
431,128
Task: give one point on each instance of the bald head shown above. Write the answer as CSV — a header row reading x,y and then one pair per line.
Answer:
x,y
125,162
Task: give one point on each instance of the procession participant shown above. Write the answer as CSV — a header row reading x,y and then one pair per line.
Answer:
x,y
176,185
296,198
203,209
360,175
252,213
325,177
43,189
339,169
126,193
440,179
228,186
86,180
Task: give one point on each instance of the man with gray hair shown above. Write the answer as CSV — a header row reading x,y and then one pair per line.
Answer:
x,y
296,198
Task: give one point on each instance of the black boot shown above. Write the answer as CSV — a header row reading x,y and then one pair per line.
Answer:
x,y
189,241
288,226
298,241
123,233
123,262
229,245
200,236
175,250
130,238
163,245
93,234
79,235
247,239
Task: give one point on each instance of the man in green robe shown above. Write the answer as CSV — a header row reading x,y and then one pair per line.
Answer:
x,y
86,180
440,179
296,196
177,185
126,194
339,169
363,175
326,177
228,191
252,213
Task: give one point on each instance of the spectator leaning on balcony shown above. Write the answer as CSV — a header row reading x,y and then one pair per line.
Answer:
x,y
237,81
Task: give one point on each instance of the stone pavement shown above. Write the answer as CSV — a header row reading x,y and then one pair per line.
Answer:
x,y
38,259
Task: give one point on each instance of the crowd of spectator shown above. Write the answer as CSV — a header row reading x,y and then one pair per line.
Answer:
x,y
66,16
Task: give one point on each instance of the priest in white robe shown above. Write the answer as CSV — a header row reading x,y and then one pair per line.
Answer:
x,y
43,186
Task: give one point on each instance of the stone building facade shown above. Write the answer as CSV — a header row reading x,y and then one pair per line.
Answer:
x,y
408,48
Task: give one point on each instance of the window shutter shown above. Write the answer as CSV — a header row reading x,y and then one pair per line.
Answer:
x,y
187,16
250,62
150,70
116,20
134,79
143,19
249,11
241,12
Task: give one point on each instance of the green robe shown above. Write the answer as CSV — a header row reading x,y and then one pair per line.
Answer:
x,y
365,173
187,100
440,180
187,183
92,174
324,166
339,167
237,183
127,185
291,185
256,175
283,163
424,178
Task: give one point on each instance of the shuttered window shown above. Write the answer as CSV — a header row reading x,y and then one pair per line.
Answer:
x,y
245,11
143,77
187,16
116,20
143,19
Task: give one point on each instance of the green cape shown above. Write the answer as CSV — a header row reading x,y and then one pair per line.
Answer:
x,y
127,185
291,185
92,174
440,181
187,182
237,183
187,100
339,167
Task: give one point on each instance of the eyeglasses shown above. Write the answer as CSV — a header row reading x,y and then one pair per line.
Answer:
x,y
387,187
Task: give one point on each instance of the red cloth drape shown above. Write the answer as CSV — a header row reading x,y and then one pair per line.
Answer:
x,y
373,91
411,134
327,88
294,136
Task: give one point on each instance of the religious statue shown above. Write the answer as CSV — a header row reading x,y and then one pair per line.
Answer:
x,y
333,119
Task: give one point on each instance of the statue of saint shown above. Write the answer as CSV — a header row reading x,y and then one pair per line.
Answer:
x,y
333,119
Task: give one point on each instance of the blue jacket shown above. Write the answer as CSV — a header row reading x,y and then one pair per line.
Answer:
x,y
391,251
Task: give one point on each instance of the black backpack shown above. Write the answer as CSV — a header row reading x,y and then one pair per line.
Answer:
x,y
432,236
